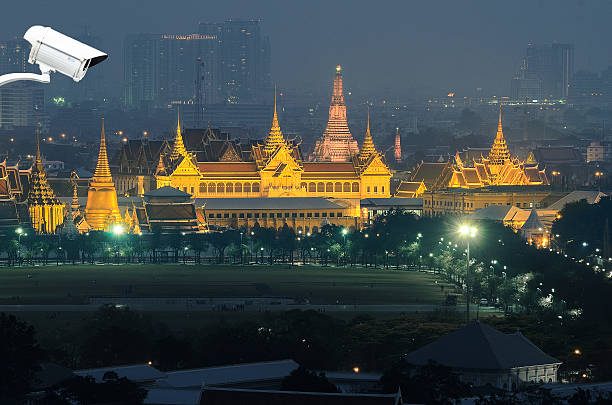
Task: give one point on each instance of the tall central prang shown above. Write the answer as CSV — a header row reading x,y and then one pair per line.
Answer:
x,y
337,143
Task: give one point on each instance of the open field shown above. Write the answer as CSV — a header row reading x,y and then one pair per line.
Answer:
x,y
320,285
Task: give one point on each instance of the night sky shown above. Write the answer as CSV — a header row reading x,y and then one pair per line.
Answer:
x,y
401,47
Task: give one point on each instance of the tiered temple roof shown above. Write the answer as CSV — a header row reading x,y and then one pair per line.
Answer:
x,y
498,169
46,210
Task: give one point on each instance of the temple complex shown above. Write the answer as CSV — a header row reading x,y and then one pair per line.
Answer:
x,y
46,210
102,209
499,168
208,167
397,149
337,143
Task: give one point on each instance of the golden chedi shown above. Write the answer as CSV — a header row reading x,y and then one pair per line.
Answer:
x,y
102,209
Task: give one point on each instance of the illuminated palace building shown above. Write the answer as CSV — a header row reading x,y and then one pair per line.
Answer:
x,y
469,182
203,164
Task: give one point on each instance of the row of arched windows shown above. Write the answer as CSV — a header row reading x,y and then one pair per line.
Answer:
x,y
229,188
330,187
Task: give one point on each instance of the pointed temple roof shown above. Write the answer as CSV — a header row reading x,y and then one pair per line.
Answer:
x,y
533,221
367,148
397,151
40,190
499,151
479,346
337,144
178,150
275,137
102,173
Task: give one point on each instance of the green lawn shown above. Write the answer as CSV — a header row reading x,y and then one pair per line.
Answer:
x,y
74,284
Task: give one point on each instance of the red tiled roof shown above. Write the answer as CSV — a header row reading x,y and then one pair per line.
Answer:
x,y
227,167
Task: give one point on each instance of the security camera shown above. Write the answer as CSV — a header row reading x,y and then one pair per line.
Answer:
x,y
56,52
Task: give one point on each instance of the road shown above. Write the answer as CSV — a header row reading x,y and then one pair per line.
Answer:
x,y
182,307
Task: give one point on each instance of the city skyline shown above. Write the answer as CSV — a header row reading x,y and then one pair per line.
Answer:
x,y
413,49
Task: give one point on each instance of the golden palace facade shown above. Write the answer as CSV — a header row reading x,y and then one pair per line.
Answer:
x,y
272,168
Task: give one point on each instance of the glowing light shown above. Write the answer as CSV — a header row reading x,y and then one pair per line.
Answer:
x,y
117,229
338,68
19,231
355,369
467,230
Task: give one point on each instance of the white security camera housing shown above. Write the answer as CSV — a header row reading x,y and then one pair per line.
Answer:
x,y
56,52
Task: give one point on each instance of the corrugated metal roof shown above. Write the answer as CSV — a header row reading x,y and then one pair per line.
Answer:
x,y
136,373
235,373
260,203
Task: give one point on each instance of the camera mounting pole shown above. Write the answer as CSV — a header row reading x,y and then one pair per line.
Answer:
x,y
14,77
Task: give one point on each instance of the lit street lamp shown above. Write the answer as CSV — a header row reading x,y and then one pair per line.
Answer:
x,y
468,232
20,233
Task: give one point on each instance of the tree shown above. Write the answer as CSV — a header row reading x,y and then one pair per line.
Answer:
x,y
21,357
84,391
302,379
428,384
115,336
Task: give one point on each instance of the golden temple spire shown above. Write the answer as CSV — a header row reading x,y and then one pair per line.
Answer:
x,y
38,162
102,172
367,148
499,153
178,149
275,137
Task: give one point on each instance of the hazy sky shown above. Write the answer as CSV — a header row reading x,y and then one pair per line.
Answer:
x,y
402,45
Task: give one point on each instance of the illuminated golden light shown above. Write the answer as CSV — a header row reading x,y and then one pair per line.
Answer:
x,y
63,135
149,362
338,68
12,139
451,95
355,369
577,352
50,139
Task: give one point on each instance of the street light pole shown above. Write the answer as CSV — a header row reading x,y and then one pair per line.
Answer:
x,y
468,232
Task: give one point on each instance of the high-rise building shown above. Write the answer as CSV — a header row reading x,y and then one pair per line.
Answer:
x,y
21,103
526,86
337,143
225,63
244,58
140,69
553,65
586,89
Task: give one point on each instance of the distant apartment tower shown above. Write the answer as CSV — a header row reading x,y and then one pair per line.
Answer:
x,y
244,62
526,86
224,63
553,65
140,55
21,103
586,89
